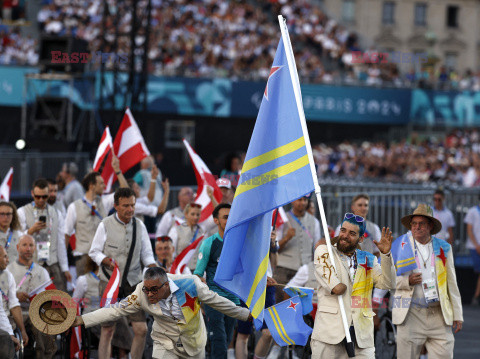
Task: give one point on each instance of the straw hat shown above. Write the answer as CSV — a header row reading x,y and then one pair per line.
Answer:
x,y
425,211
52,312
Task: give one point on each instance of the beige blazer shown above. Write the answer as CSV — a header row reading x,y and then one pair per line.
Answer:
x,y
328,326
166,331
404,292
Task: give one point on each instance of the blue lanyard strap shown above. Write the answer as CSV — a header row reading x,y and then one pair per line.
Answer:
x,y
92,208
4,295
195,234
301,225
9,239
94,275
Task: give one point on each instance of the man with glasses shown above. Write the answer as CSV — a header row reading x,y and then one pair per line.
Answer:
x,y
427,303
355,274
46,225
444,215
174,302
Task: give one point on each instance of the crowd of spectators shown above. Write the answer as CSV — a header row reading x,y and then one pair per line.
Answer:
x,y
454,159
16,49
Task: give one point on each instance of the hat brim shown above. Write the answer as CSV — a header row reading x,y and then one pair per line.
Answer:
x,y
437,226
64,300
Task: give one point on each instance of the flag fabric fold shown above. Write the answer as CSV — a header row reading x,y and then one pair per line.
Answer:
x,y
110,294
103,148
286,324
76,340
305,295
403,255
181,261
47,285
6,186
276,172
279,219
129,146
204,177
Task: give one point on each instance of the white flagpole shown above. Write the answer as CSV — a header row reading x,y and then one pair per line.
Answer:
x,y
298,98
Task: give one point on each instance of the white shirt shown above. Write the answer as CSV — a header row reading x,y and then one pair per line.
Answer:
x,y
61,249
12,291
80,288
445,216
72,192
170,306
167,222
4,322
424,255
71,219
98,243
473,218
144,207
300,278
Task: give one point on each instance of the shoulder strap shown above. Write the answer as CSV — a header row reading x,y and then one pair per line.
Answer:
x,y
130,254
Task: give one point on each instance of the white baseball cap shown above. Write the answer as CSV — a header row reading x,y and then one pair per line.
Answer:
x,y
223,182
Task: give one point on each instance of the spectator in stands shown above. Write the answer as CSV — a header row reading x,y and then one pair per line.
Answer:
x,y
220,326
175,216
85,214
8,291
52,197
444,215
73,189
116,236
164,250
9,228
472,219
29,275
46,225
233,166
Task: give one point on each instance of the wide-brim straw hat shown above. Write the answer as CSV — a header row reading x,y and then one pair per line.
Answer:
x,y
52,312
423,210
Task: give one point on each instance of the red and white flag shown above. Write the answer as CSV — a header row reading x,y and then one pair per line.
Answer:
x,y
181,261
281,217
110,294
6,186
47,285
73,242
129,146
76,340
204,176
103,148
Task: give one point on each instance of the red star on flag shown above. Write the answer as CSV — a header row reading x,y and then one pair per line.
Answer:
x,y
366,267
403,243
292,305
442,256
189,302
273,70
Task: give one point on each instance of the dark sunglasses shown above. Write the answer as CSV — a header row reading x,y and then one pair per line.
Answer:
x,y
44,196
164,239
359,219
153,290
195,205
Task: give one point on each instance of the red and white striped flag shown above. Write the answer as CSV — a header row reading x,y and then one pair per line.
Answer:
x,y
110,294
181,261
76,340
6,186
47,285
281,217
103,148
129,146
204,176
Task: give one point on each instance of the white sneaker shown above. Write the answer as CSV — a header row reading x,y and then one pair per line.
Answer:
x,y
231,353
274,352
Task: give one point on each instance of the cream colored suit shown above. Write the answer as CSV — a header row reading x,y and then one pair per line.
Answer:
x,y
328,326
166,331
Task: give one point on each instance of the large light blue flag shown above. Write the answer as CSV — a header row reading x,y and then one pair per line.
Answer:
x,y
402,254
276,172
286,324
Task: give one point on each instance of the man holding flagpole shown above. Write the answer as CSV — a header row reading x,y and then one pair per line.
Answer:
x,y
357,273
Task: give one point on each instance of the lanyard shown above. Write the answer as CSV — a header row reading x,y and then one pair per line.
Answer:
x,y
301,225
94,275
9,239
417,252
92,208
195,234
25,276
5,297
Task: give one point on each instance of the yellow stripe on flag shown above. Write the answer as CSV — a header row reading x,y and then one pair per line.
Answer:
x,y
261,271
272,175
406,260
260,304
277,327
273,154
281,326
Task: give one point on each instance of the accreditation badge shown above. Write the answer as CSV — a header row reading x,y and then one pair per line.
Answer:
x,y
43,251
430,290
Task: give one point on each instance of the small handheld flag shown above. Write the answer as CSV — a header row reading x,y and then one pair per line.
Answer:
x,y
6,186
305,295
402,254
181,261
110,294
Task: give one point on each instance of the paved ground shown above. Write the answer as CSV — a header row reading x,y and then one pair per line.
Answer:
x,y
467,341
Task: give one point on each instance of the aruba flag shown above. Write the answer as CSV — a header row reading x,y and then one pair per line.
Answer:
x,y
276,172
403,255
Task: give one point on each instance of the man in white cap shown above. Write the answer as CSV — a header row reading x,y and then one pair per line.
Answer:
x,y
427,303
228,193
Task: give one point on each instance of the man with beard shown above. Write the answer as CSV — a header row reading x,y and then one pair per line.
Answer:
x,y
356,273
52,197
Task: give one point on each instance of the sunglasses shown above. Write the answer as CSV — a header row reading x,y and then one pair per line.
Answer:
x,y
44,196
164,239
195,205
153,290
359,219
